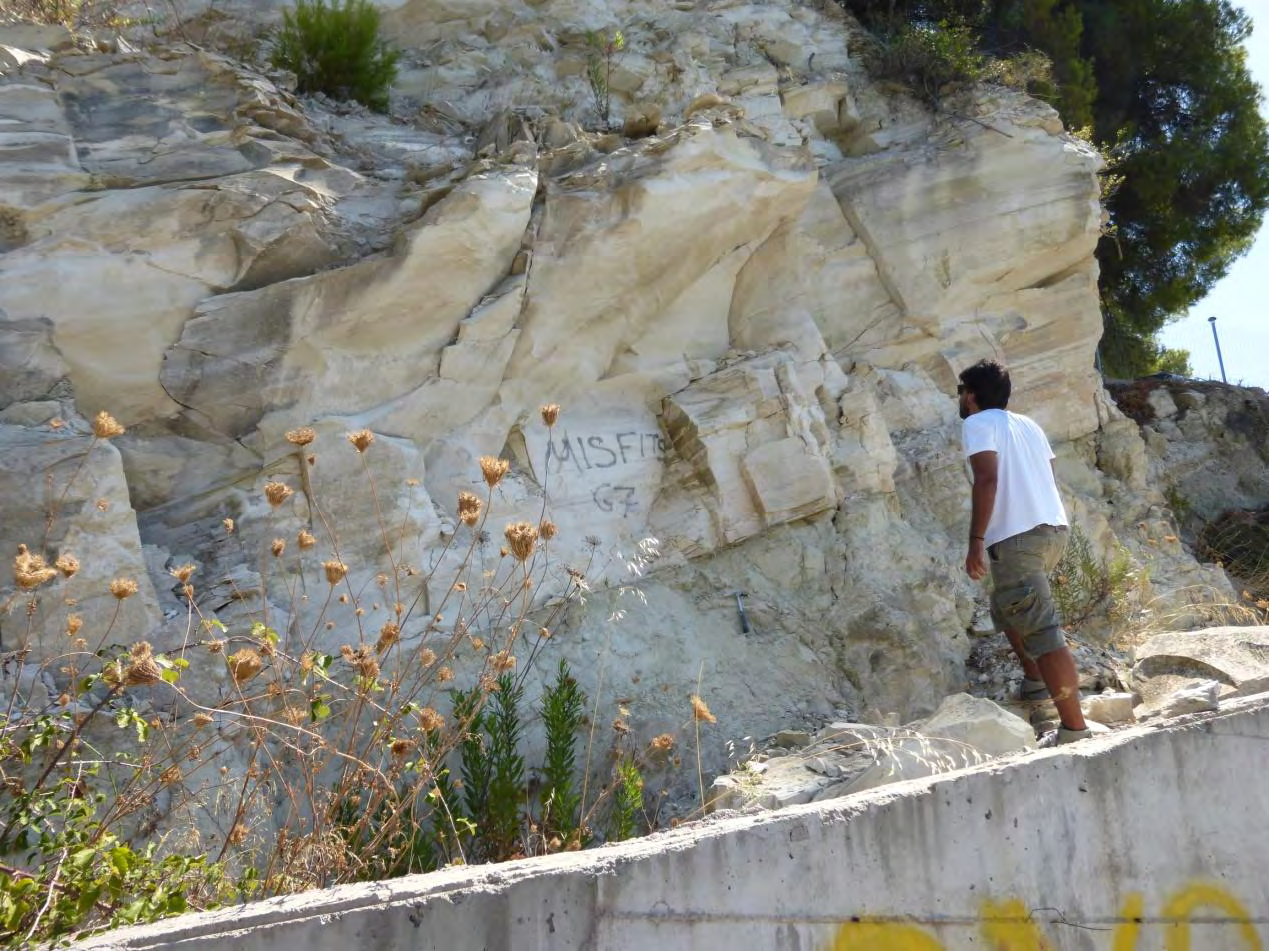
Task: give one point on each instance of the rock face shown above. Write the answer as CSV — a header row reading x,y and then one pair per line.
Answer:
x,y
753,316
1207,444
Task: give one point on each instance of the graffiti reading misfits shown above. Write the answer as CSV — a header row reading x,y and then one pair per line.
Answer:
x,y
1009,926
609,451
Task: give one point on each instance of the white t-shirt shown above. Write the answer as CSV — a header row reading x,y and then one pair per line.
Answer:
x,y
1026,493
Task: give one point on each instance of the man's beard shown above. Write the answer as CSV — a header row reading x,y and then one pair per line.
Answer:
x,y
964,411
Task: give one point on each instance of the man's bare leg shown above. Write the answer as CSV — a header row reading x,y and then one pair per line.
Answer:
x,y
1029,668
1063,681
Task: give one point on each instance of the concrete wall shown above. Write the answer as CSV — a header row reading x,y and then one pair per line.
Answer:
x,y
1113,844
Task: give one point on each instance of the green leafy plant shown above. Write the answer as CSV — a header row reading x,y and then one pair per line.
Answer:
x,y
506,786
335,48
929,58
88,878
1087,589
602,51
563,705
75,15
627,801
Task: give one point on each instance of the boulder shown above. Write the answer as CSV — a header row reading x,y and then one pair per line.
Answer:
x,y
1109,707
1202,696
1237,658
978,724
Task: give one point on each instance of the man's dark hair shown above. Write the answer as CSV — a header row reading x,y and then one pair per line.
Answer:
x,y
989,382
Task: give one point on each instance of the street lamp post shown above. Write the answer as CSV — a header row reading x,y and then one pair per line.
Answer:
x,y
1219,358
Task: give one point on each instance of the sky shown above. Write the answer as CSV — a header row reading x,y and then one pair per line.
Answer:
x,y
1240,301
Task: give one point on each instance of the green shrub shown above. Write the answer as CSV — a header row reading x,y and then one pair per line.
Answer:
x,y
87,879
562,713
1087,589
929,57
75,15
336,49
627,801
602,52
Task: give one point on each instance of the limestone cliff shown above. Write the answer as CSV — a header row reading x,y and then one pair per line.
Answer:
x,y
753,320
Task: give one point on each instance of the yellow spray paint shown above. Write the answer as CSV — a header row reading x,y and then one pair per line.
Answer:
x,y
1182,905
883,936
1008,925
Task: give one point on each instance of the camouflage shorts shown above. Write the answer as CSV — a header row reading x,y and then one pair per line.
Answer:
x,y
1021,600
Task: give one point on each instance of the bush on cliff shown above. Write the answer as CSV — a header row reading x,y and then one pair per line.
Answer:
x,y
335,48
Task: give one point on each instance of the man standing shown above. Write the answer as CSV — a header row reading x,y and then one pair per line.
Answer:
x,y
1018,528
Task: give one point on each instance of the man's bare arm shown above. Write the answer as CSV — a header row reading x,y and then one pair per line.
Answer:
x,y
984,467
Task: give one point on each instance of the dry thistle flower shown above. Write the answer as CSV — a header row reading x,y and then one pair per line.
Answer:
x,y
305,539
427,657
361,439
547,530
67,564
123,588
279,546
277,492
103,505
238,834
171,776
363,659
30,571
293,715
389,634
244,664
477,644
460,585
73,623
469,507
402,747
342,599
182,573
700,711
201,719
493,469
229,526
302,436
503,661
444,675
106,426
142,670
550,413
544,633
214,646
521,539
620,726
335,571
430,720
663,743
